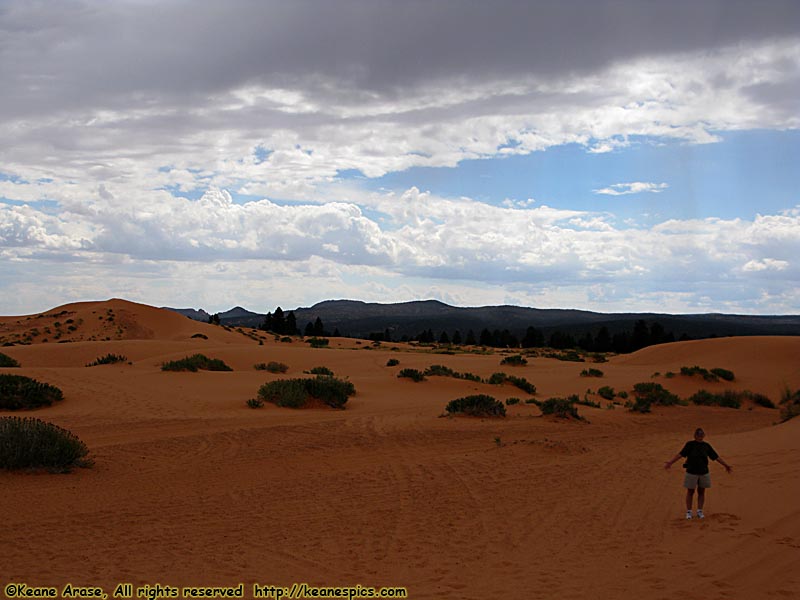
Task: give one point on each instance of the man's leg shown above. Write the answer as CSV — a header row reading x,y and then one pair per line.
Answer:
x,y
690,497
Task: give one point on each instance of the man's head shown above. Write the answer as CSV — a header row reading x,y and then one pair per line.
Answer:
x,y
699,434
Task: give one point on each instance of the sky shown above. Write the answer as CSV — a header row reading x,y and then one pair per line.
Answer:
x,y
615,156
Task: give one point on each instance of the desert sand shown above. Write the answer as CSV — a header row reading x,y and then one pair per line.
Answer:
x,y
191,487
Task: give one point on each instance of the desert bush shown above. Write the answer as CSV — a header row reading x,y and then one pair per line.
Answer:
x,y
7,361
295,393
392,362
649,393
321,371
728,399
479,405
272,367
591,373
412,374
497,379
255,403
606,392
20,392
695,370
567,355
723,374
108,359
32,443
790,404
759,399
516,360
440,371
512,401
318,342
563,408
194,363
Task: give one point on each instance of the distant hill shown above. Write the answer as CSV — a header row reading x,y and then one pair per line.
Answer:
x,y
194,314
360,319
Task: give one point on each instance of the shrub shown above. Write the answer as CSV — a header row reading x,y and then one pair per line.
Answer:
x,y
413,374
497,379
606,392
727,399
295,393
440,371
321,371
7,361
108,359
20,392
790,404
563,408
723,374
516,360
392,362
255,403
695,370
276,367
512,401
479,405
32,443
591,373
759,399
194,363
318,342
649,393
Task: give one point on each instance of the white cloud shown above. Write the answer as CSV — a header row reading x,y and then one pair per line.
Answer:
x,y
765,264
636,187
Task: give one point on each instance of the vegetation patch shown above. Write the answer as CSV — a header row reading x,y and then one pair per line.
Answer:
x,y
520,382
649,393
728,399
790,404
321,371
318,342
392,362
606,392
31,443
7,361
713,375
195,363
296,393
568,355
272,367
412,374
255,403
108,359
563,408
18,392
591,373
443,371
478,405
517,360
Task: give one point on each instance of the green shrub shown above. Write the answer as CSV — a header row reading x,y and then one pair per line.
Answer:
x,y
108,359
606,392
516,360
318,342
695,370
512,401
563,408
759,399
32,443
728,399
20,392
7,361
479,405
194,363
623,394
321,371
440,371
497,379
413,374
392,362
649,393
790,404
295,393
255,403
591,373
273,367
723,374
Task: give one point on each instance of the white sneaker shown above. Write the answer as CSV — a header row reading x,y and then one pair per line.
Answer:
x,y
688,515
700,514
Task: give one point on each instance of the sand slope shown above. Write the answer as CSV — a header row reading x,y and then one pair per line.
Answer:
x,y
190,487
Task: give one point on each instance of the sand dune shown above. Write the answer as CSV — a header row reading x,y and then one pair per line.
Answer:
x,y
190,487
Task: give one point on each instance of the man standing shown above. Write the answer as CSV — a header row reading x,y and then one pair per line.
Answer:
x,y
697,452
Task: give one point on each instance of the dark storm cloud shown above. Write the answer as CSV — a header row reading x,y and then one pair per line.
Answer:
x,y
95,53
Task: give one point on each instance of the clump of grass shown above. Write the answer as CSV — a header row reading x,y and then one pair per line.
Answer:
x,y
108,359
563,408
255,403
18,392
723,373
790,404
606,392
392,362
728,399
649,393
517,360
412,374
7,361
714,374
591,373
31,443
478,405
272,367
295,393
566,355
512,401
318,342
321,371
520,382
195,363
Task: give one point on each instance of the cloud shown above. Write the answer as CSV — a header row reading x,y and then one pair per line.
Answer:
x,y
765,264
636,187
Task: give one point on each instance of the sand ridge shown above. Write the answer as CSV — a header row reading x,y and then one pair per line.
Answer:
x,y
190,487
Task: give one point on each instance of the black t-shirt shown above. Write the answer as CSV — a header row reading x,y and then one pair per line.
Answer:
x,y
697,455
